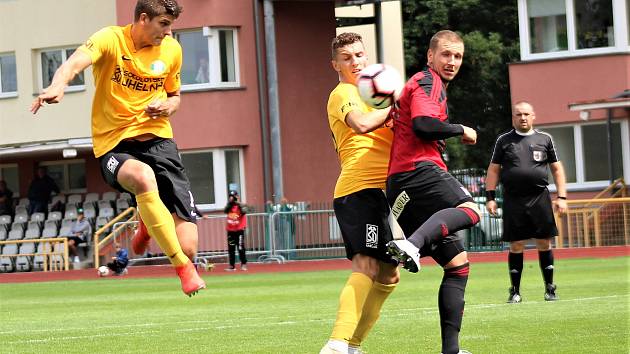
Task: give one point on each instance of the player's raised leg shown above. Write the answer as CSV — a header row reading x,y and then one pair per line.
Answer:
x,y
138,178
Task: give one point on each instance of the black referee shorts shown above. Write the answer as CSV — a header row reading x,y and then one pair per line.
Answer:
x,y
529,216
163,157
416,195
363,220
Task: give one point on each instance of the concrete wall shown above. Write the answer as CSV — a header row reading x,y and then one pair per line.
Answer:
x,y
29,25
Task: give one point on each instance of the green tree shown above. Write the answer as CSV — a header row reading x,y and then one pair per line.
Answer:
x,y
480,96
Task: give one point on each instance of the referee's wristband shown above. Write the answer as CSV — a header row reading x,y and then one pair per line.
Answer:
x,y
563,198
490,195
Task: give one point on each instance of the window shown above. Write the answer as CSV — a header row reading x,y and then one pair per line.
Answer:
x,y
69,175
561,28
51,60
212,174
547,25
8,75
9,173
210,58
594,23
583,151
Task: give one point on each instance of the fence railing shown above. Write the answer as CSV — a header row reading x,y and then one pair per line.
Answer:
x,y
52,254
595,222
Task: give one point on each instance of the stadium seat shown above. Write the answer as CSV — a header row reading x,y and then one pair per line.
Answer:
x,y
32,233
21,210
37,218
125,195
70,214
21,218
109,196
67,222
106,212
51,224
58,198
90,213
122,205
34,225
75,199
104,204
58,257
101,221
65,231
3,234
7,263
18,225
23,202
5,221
24,263
50,232
15,234
90,198
55,215
38,259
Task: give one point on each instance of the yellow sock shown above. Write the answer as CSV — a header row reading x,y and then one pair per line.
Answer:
x,y
371,311
160,225
351,303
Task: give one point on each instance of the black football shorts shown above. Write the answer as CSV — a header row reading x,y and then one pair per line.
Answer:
x,y
163,157
363,220
529,216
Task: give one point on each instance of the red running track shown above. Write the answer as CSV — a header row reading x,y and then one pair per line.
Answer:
x,y
302,266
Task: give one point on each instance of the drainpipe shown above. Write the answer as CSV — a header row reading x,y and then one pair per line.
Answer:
x,y
274,106
380,36
262,105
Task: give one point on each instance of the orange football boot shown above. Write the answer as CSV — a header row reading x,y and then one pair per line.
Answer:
x,y
140,241
191,281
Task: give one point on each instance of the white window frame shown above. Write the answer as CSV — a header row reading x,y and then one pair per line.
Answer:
x,y
7,94
66,174
581,184
220,185
64,58
212,34
620,29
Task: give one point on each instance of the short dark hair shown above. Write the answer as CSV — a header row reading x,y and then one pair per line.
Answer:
x,y
157,7
444,34
343,40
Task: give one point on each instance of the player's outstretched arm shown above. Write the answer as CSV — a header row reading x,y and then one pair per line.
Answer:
x,y
362,123
77,62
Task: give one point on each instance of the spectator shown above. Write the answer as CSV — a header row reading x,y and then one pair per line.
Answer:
x,y
119,262
235,225
203,75
6,199
39,192
79,233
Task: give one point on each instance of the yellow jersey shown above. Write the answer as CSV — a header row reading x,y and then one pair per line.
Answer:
x,y
127,81
363,157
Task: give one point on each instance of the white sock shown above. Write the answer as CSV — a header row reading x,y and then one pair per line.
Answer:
x,y
338,345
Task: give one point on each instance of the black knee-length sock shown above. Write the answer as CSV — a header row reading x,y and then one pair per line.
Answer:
x,y
515,264
451,306
545,259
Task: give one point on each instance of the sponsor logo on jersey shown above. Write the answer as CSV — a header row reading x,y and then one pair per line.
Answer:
x,y
112,163
158,67
371,236
129,79
124,57
399,204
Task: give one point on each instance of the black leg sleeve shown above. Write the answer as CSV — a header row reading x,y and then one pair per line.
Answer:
x,y
451,305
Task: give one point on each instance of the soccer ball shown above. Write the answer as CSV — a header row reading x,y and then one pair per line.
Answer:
x,y
102,271
379,85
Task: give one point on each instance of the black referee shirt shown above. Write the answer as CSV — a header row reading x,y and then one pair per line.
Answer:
x,y
524,161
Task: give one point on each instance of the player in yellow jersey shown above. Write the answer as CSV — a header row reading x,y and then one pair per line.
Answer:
x,y
137,78
363,145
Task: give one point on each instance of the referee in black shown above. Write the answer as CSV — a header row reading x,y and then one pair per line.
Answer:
x,y
520,161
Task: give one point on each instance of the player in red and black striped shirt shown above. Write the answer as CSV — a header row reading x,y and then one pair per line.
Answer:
x,y
430,204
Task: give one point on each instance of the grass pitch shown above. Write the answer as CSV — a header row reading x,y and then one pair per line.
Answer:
x,y
294,313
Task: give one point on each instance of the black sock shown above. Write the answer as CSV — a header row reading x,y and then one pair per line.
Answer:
x,y
451,305
545,259
515,265
443,223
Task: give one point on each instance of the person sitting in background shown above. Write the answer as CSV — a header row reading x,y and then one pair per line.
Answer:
x,y
79,233
6,199
119,262
39,192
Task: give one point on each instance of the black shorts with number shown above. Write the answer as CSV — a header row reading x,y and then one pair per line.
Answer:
x,y
363,220
163,157
416,195
528,216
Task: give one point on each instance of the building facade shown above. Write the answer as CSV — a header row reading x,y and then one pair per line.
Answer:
x,y
578,51
224,128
